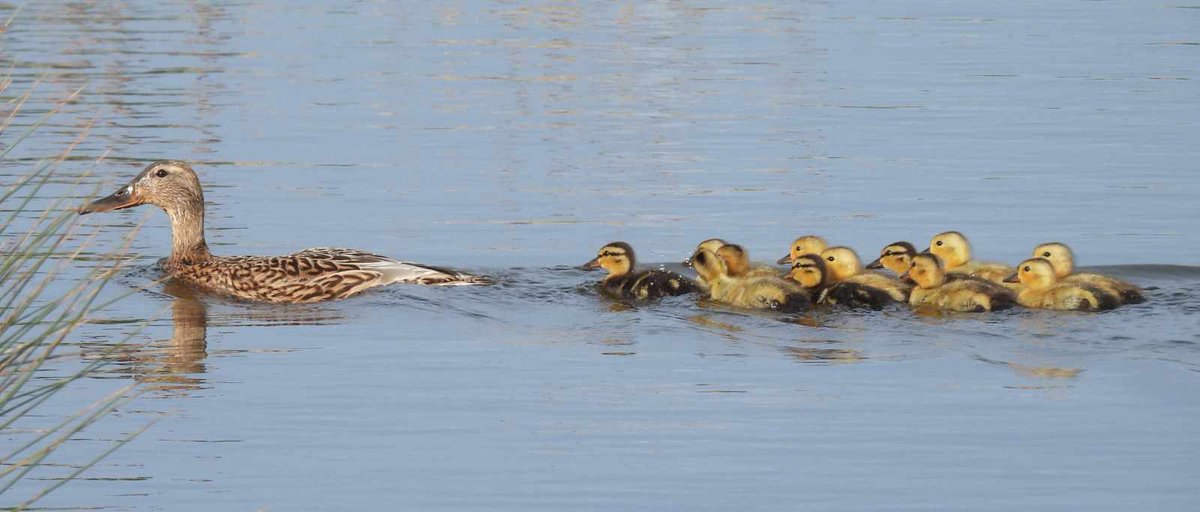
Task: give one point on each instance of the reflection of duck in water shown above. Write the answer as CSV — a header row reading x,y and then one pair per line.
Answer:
x,y
311,275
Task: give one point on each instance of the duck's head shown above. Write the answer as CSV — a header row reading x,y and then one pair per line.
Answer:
x,y
737,260
1034,273
169,184
709,265
896,257
615,257
808,244
926,271
841,263
711,245
808,270
1059,255
952,247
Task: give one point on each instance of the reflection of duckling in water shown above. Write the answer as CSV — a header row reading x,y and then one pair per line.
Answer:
x,y
623,282
955,251
810,272
897,257
1040,288
807,244
747,292
971,295
1063,261
842,264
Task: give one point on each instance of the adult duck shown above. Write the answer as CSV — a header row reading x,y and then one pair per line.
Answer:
x,y
311,275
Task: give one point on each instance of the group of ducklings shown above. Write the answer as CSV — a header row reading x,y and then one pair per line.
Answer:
x,y
943,277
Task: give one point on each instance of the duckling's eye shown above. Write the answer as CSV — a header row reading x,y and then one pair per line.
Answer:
x,y
939,243
162,173
1046,254
1027,269
831,258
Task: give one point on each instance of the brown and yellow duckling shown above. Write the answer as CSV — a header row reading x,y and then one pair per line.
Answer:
x,y
624,282
896,256
807,244
810,273
842,264
955,252
763,292
1041,289
311,275
969,295
737,260
1063,261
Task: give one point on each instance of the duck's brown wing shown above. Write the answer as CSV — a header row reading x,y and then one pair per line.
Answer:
x,y
391,270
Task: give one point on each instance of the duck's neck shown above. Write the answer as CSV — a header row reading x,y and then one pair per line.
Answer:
x,y
187,235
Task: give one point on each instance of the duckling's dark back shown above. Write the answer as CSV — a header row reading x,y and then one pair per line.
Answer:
x,y
651,284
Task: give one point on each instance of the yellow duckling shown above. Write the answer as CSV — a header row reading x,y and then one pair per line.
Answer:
x,y
810,273
896,256
737,262
747,292
965,295
955,251
311,275
1063,261
625,283
1040,288
842,264
808,244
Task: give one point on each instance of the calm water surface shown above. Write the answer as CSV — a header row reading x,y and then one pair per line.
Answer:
x,y
515,138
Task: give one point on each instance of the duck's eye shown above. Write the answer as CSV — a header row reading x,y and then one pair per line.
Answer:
x,y
1046,254
939,243
1027,269
831,258
162,173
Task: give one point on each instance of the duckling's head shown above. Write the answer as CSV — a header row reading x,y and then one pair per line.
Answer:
x,y
896,257
169,184
712,245
926,270
737,260
709,265
808,270
809,244
952,247
1034,273
1060,257
615,257
841,263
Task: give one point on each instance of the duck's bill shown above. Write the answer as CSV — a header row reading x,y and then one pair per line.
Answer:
x,y
593,264
787,258
119,200
877,264
928,250
1012,279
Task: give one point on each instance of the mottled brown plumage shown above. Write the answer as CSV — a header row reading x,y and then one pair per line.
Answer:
x,y
312,275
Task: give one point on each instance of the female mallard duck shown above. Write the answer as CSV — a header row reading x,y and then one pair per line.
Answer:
x,y
955,251
623,282
807,244
896,256
1063,261
311,275
747,292
970,295
842,264
1040,288
810,273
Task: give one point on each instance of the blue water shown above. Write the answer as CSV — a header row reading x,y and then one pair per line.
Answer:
x,y
514,139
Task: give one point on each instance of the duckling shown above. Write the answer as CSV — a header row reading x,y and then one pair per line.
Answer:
x,y
896,256
842,264
623,282
737,262
808,244
955,251
809,271
1040,288
1063,260
970,295
747,292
